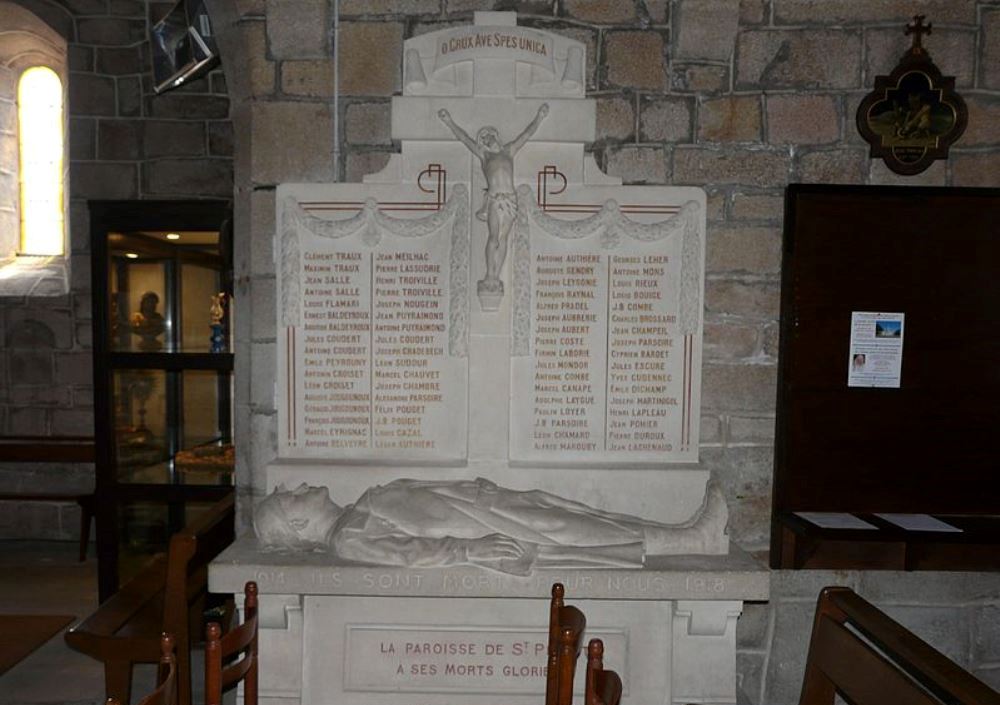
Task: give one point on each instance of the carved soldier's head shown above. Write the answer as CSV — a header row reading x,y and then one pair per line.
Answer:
x,y
302,518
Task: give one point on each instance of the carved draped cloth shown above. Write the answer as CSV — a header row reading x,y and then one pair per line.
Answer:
x,y
420,524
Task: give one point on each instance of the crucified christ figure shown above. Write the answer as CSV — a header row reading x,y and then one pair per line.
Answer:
x,y
499,208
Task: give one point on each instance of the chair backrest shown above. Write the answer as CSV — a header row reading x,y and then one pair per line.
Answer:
x,y
166,691
861,653
566,625
237,650
603,687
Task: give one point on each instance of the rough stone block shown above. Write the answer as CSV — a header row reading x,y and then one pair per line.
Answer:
x,y
729,341
802,119
313,78
715,205
739,387
110,31
710,430
38,328
751,629
666,120
368,123
936,626
460,6
82,138
258,78
80,58
638,165
119,60
636,60
189,107
751,429
989,57
749,670
375,48
757,206
298,29
935,175
129,97
615,118
761,168
262,229
263,441
807,58
753,11
984,121
220,139
23,395
748,250
390,7
90,94
262,357
128,8
262,298
85,335
852,12
930,587
119,140
173,138
601,11
188,177
838,166
111,181
792,626
293,142
749,300
705,29
730,119
360,164
74,368
27,422
953,50
72,422
31,367
79,272
699,78
986,633
770,339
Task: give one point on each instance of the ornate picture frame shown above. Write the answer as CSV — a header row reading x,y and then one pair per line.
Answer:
x,y
914,114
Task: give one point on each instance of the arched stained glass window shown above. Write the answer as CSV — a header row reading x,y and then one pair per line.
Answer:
x,y
40,134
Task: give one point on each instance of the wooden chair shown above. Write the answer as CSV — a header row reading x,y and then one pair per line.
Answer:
x,y
859,652
166,691
566,625
603,687
221,649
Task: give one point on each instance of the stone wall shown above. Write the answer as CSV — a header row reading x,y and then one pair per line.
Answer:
x,y
740,97
125,143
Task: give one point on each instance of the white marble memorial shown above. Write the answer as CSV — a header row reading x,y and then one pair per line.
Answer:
x,y
490,305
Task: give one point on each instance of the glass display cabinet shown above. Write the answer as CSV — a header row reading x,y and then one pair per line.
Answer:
x,y
162,373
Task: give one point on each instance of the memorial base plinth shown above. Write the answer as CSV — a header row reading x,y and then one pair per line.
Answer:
x,y
363,635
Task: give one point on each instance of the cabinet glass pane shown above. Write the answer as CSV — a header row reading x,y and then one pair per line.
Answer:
x,y
145,528
199,285
206,455
140,317
142,431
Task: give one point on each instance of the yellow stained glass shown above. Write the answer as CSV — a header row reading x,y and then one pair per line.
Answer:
x,y
40,130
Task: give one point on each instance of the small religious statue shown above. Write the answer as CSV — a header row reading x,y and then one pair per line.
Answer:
x,y
499,208
217,312
426,524
148,323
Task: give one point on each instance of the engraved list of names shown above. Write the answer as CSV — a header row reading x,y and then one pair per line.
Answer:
x,y
609,377
368,371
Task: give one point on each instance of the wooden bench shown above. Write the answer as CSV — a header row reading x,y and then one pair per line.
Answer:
x,y
168,595
860,653
52,449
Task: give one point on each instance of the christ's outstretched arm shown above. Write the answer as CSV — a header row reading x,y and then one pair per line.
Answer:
x,y
459,133
515,144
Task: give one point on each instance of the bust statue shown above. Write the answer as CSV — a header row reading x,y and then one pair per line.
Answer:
x,y
425,524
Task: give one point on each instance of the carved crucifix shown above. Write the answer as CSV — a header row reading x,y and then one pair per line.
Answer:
x,y
499,208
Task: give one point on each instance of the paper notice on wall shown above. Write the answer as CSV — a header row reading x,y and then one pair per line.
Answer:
x,y
876,352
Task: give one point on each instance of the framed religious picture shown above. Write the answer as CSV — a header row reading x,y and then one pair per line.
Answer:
x,y
914,115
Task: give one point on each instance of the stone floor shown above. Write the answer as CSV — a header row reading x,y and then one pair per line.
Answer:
x,y
44,577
